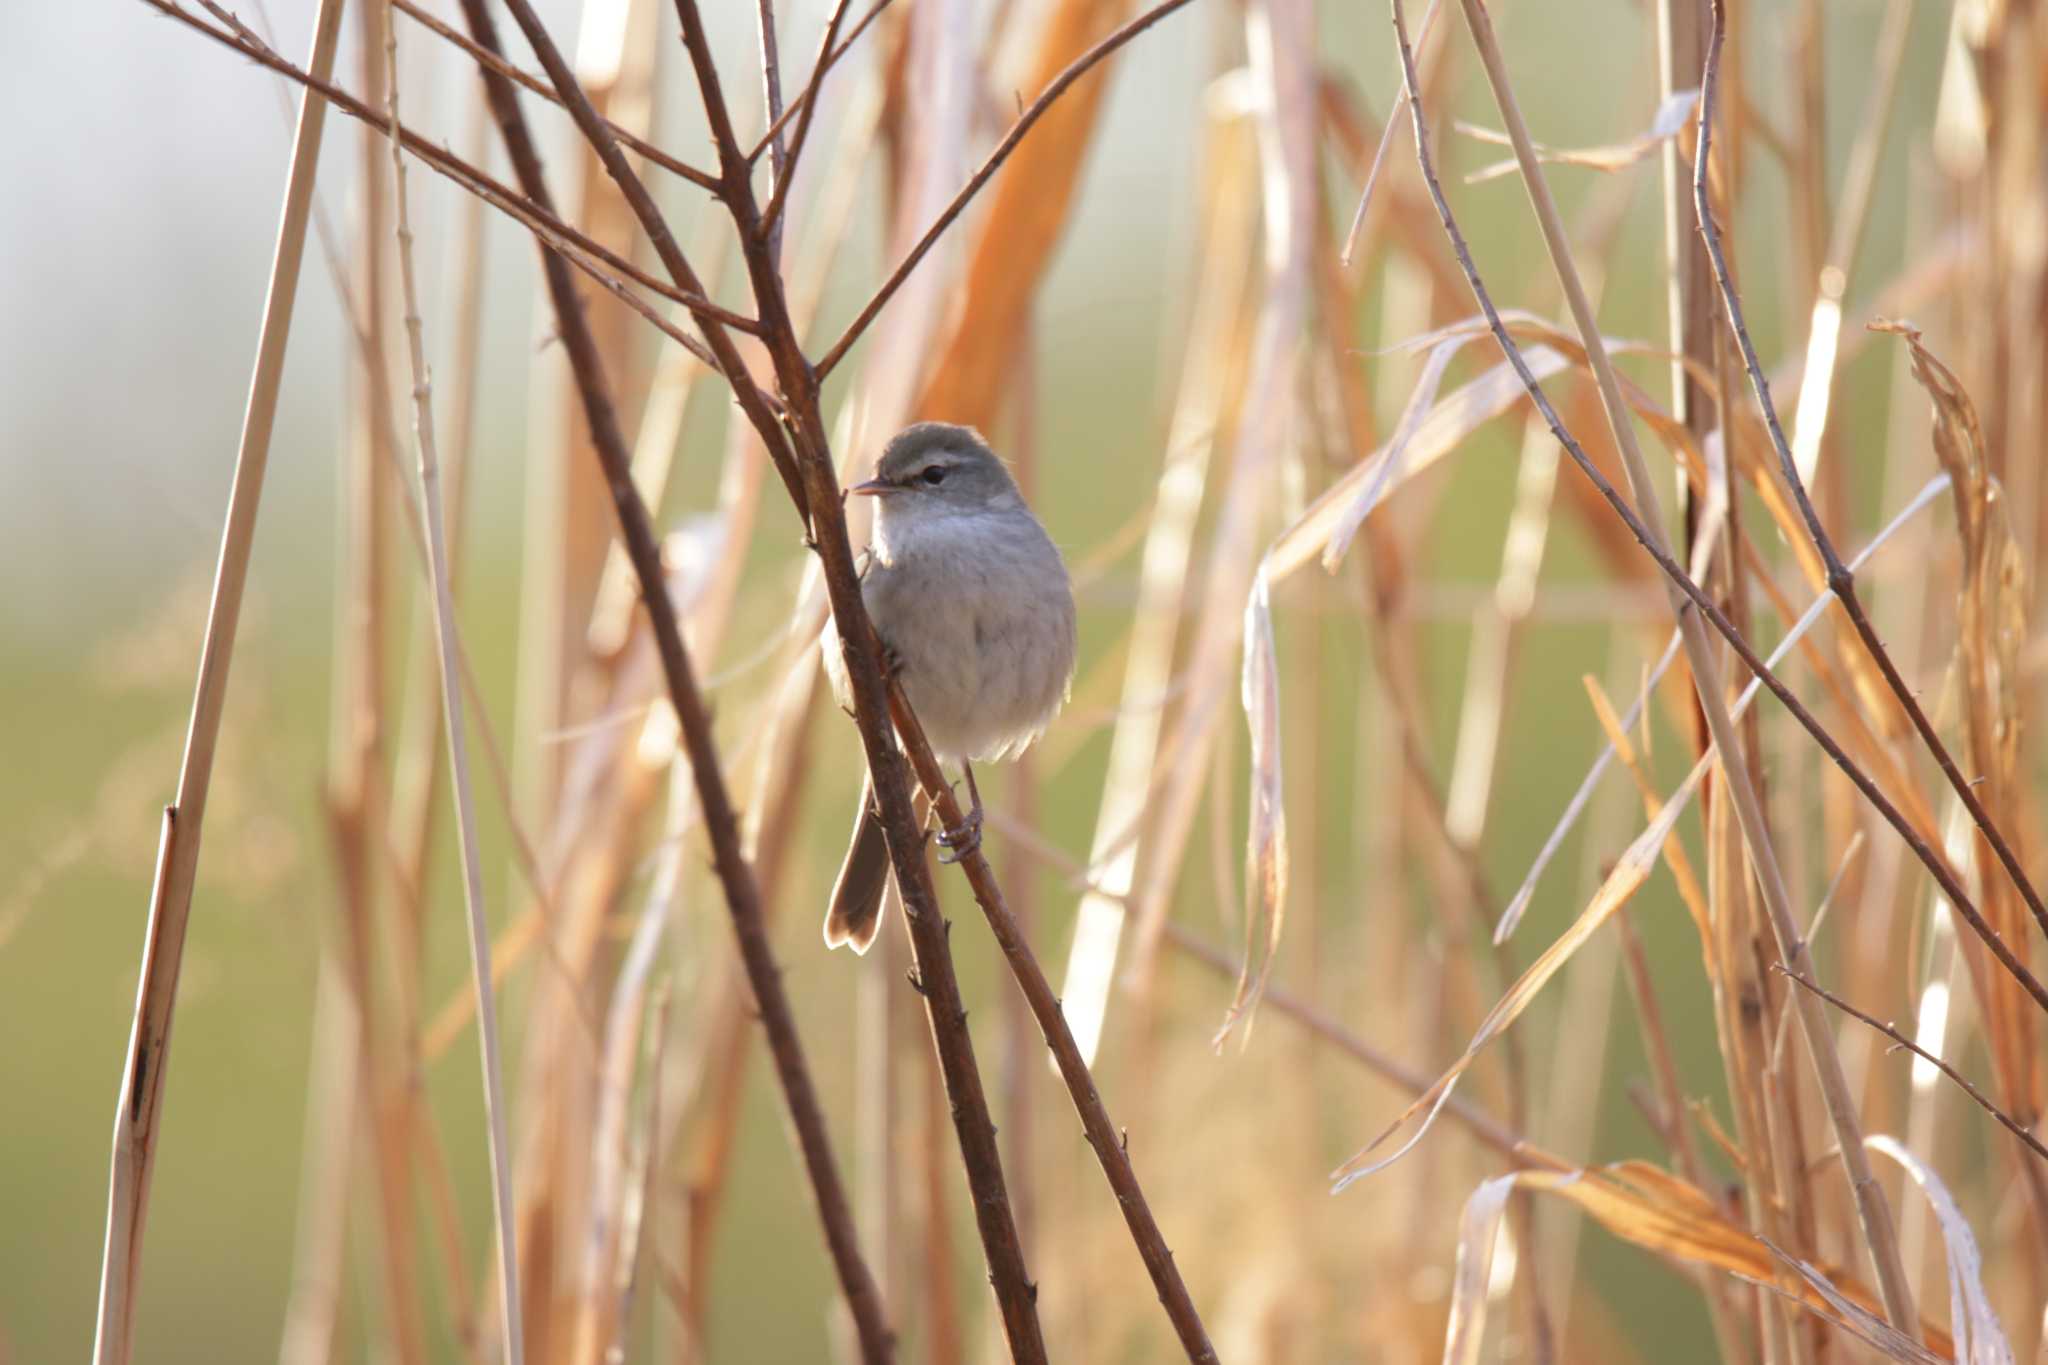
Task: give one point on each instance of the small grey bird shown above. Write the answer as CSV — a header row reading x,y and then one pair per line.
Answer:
x,y
973,607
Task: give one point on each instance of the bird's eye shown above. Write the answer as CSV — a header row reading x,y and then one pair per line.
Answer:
x,y
933,474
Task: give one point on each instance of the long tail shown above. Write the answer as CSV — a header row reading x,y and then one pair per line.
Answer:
x,y
856,911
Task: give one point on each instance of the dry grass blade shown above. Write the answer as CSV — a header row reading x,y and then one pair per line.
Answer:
x,y
1671,117
139,1106
1979,1338
1630,871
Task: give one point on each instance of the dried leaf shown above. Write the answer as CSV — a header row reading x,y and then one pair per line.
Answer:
x,y
1651,1208
1266,851
1672,115
1980,1340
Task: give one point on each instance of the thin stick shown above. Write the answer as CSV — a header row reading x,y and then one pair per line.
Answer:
x,y
140,1103
1076,69
1875,1218
644,552
1900,1040
701,179
458,742
1103,1136
816,83
1841,581
785,163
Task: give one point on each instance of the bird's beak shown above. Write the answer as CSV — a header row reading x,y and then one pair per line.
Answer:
x,y
874,488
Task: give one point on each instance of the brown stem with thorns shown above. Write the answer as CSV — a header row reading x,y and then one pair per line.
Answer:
x,y
735,875
1841,581
1103,1136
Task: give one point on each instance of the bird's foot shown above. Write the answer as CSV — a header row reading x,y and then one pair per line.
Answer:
x,y
965,837
962,839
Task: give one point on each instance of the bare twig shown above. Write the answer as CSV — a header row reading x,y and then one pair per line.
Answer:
x,y
785,162
140,1104
805,96
1080,67
484,56
1900,1040
458,739
1840,580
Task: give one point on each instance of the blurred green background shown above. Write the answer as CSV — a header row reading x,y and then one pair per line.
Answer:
x,y
134,243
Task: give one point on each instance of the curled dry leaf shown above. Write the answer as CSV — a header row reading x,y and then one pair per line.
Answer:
x,y
1980,1340
1651,1208
1672,115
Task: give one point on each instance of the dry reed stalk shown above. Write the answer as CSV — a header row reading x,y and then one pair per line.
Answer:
x,y
1839,579
1878,1232
495,1103
1280,42
1213,360
360,729
139,1108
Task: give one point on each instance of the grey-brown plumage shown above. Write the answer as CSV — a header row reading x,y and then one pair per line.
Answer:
x,y
971,599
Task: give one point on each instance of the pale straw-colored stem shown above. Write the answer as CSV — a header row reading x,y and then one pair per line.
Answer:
x,y
458,744
140,1104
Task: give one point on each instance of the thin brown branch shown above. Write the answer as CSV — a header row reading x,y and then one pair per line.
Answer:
x,y
1103,1136
1900,1040
805,96
729,363
533,83
785,162
1840,580
735,875
1078,68
139,1106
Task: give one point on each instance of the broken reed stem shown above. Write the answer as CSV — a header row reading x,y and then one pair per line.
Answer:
x,y
735,876
1840,580
458,744
1074,70
139,1106
1873,1215
1103,1136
